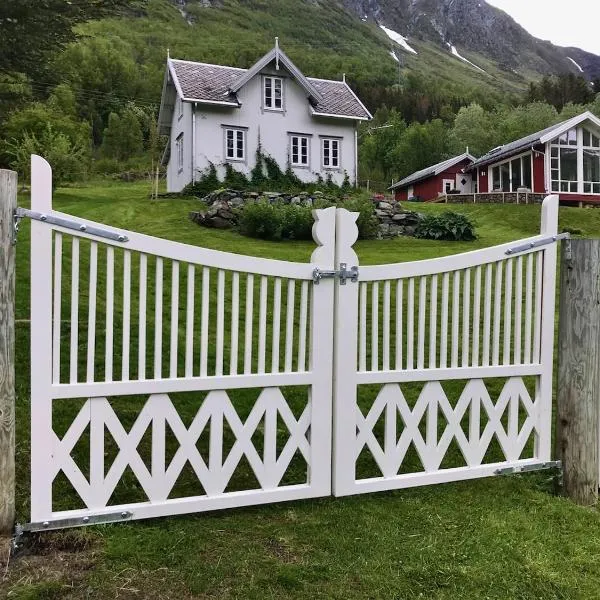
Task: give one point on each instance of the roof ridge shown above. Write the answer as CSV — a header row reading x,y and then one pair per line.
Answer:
x,y
195,62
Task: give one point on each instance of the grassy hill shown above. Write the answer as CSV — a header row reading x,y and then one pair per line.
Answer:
x,y
498,538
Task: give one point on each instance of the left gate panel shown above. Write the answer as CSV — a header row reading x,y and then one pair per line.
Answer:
x,y
169,379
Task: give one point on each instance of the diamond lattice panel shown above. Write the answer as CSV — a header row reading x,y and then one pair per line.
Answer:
x,y
214,471
433,423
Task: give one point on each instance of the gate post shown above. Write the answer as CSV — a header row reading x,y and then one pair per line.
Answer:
x,y
8,204
578,392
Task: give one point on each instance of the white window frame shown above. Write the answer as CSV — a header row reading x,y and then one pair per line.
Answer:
x,y
451,183
180,151
179,108
522,156
271,103
327,144
237,133
297,139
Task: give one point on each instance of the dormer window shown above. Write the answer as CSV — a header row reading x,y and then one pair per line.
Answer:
x,y
273,93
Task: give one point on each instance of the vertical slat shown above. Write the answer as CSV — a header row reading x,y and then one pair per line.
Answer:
x,y
528,308
110,309
174,319
126,315
466,317
189,322
476,317
57,308
422,322
303,320
537,328
204,322
497,314
158,306
248,323
433,322
386,326
487,317
410,326
74,310
289,326
455,317
275,350
91,338
399,328
375,326
235,322
262,325
508,291
518,310
142,318
362,344
220,321
444,324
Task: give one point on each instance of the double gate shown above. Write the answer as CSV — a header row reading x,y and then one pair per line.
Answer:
x,y
169,379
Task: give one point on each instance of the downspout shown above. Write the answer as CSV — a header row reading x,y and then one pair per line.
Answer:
x,y
193,143
355,154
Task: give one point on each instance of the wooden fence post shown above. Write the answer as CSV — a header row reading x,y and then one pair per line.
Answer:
x,y
578,392
8,203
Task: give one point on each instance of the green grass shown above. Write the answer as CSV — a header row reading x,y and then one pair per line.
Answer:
x,y
494,538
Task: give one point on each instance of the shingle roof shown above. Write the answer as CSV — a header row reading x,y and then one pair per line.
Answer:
x,y
533,139
433,170
211,83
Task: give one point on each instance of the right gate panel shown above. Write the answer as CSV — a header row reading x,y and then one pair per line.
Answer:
x,y
447,373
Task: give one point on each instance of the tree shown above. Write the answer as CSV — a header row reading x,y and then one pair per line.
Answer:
x,y
422,145
473,127
31,30
123,136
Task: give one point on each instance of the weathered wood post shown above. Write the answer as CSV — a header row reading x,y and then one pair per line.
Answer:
x,y
8,204
578,391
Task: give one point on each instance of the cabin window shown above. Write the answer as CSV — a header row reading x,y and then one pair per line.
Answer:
x,y
273,93
330,152
299,150
179,152
235,144
496,178
512,174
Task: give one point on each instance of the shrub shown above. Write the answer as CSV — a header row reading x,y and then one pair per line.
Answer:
x,y
367,222
234,179
261,220
208,182
448,226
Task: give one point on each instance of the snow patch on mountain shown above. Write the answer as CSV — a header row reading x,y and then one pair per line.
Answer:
x,y
580,69
454,52
399,39
394,56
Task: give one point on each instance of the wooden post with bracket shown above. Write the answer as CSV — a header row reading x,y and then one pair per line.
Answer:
x,y
8,204
578,389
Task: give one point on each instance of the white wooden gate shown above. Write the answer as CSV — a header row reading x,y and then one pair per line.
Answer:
x,y
443,367
187,379
169,379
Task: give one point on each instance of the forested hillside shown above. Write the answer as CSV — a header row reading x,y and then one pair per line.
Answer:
x,y
90,104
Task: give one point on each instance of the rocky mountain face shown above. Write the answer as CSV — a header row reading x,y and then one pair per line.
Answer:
x,y
476,26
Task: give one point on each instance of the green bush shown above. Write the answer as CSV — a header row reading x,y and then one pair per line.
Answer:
x,y
208,182
234,179
261,220
448,226
367,222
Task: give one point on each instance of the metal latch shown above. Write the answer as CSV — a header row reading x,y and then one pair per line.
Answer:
x,y
344,273
100,232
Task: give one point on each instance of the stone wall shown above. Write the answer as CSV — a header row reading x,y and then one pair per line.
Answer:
x,y
494,198
222,204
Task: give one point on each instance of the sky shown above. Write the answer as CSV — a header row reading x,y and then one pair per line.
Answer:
x,y
563,22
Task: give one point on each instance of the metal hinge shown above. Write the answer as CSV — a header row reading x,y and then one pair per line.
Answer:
x,y
556,464
538,244
100,232
343,273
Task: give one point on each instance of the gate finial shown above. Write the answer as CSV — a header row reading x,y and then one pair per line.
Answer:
x,y
323,232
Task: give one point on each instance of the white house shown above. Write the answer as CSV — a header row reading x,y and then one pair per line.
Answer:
x,y
217,114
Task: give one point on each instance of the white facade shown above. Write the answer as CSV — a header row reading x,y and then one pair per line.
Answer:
x,y
271,109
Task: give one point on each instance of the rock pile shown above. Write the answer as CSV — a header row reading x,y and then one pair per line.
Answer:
x,y
394,221
222,205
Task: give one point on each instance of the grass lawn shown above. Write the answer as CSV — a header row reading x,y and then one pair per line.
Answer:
x,y
500,538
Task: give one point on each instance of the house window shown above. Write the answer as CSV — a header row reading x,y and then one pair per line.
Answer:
x,y
235,144
591,163
299,150
179,152
512,174
566,158
179,107
330,153
273,93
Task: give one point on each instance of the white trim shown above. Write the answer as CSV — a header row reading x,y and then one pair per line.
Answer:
x,y
491,166
215,102
318,114
586,116
300,137
357,99
331,140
